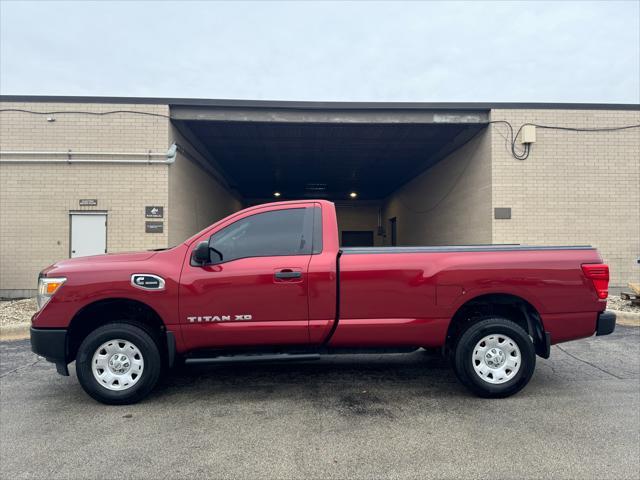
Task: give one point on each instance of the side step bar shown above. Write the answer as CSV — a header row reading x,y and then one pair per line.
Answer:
x,y
278,357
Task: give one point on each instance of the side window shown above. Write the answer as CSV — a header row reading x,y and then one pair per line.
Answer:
x,y
268,234
317,230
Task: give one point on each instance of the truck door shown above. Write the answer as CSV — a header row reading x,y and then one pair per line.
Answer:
x,y
257,293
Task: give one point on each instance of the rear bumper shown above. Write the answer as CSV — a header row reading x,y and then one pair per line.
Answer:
x,y
52,345
606,323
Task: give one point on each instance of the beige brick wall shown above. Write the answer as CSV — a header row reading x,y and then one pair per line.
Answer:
x,y
122,132
196,198
450,203
36,199
575,187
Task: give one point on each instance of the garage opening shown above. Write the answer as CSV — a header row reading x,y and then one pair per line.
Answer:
x,y
397,173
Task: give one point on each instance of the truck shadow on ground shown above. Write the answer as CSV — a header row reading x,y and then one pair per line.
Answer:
x,y
414,375
339,374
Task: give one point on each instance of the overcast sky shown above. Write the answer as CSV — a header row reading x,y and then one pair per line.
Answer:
x,y
569,51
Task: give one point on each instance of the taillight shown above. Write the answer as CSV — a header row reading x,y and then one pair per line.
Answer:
x,y
598,273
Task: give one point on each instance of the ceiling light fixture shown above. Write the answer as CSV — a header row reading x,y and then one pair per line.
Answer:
x,y
276,194
353,195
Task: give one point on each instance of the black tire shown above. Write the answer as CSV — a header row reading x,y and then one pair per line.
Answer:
x,y
147,347
463,357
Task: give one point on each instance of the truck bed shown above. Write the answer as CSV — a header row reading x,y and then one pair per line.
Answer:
x,y
405,293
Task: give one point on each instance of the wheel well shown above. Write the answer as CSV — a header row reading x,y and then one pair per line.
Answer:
x,y
106,311
511,307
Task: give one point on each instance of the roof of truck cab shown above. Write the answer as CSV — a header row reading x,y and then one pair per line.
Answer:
x,y
260,206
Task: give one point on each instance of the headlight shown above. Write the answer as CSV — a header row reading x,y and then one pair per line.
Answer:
x,y
47,287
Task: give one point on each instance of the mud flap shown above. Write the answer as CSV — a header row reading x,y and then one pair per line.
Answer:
x,y
543,346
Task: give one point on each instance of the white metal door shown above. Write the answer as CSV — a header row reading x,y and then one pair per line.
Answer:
x,y
88,234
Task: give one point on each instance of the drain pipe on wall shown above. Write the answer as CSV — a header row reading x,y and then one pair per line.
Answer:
x,y
70,156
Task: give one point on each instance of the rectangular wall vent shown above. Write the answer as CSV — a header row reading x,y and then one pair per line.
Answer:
x,y
502,213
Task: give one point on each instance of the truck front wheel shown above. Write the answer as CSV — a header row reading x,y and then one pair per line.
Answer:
x,y
494,358
118,364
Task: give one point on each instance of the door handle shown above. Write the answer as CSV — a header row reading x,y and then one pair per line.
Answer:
x,y
287,274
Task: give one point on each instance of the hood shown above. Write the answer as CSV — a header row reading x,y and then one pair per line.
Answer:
x,y
100,259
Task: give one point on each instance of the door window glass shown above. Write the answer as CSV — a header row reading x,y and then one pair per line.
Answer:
x,y
268,234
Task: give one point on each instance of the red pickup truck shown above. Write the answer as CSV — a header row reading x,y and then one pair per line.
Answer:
x,y
271,283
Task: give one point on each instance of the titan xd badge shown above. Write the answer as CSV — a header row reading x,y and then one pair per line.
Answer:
x,y
147,281
220,318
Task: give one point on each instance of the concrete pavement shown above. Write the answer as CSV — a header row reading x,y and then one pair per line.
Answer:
x,y
393,416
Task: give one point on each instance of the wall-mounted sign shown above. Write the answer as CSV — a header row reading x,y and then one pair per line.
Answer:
x,y
153,227
153,212
88,202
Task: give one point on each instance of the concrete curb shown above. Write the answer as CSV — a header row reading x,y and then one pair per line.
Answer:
x,y
628,319
15,332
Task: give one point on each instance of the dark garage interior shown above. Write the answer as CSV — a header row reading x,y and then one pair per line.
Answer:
x,y
355,157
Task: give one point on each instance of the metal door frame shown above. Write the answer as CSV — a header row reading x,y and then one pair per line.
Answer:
x,y
393,231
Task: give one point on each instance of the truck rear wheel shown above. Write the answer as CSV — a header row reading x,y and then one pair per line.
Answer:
x,y
118,364
494,358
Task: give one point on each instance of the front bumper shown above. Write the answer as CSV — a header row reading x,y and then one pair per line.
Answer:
x,y
52,345
606,323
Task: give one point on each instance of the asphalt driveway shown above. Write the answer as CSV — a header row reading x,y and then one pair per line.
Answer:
x,y
393,416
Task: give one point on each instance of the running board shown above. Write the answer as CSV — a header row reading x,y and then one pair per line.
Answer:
x,y
279,357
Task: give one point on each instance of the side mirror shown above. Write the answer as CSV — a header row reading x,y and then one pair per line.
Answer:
x,y
201,254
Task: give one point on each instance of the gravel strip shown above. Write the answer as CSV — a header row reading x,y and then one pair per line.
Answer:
x,y
16,312
614,302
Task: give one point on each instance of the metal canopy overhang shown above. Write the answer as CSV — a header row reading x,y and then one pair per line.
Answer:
x,y
324,150
335,115
235,103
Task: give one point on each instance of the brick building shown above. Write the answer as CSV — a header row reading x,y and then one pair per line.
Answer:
x,y
82,175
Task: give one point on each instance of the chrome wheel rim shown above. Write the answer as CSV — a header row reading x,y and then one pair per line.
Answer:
x,y
496,358
117,364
